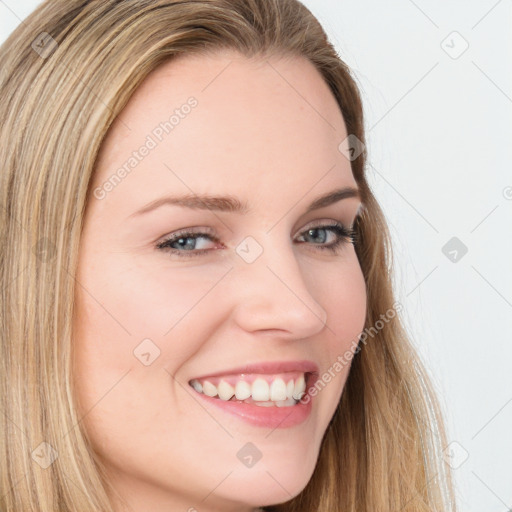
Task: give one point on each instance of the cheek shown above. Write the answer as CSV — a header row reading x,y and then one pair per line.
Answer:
x,y
126,303
142,322
120,309
343,296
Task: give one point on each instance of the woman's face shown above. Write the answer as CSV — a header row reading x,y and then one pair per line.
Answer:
x,y
238,301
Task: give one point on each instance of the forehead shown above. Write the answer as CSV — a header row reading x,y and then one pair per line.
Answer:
x,y
267,121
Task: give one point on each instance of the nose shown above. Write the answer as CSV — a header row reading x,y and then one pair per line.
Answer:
x,y
272,294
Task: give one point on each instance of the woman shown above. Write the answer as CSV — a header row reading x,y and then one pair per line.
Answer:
x,y
197,308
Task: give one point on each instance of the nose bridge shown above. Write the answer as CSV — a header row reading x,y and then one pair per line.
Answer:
x,y
274,293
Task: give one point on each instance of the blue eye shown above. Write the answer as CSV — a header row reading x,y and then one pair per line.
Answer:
x,y
184,243
343,235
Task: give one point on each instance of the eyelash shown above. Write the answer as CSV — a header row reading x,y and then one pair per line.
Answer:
x,y
345,235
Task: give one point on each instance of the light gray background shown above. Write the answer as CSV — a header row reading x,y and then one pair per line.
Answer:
x,y
440,142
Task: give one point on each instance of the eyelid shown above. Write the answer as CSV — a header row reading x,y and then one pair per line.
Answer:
x,y
323,223
196,230
342,231
210,231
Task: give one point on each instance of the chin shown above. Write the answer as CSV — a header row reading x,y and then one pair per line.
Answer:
x,y
270,481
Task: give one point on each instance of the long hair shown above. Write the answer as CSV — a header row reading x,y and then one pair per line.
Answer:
x,y
66,72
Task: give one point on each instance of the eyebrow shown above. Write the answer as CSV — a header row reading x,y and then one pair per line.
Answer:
x,y
233,205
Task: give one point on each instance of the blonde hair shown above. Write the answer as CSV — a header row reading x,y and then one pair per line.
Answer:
x,y
66,73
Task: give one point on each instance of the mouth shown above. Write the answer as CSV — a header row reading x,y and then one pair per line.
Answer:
x,y
277,390
270,394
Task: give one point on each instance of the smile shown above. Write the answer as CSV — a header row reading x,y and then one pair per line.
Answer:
x,y
271,394
277,390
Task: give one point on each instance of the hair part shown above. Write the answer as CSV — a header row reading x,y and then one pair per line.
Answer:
x,y
60,94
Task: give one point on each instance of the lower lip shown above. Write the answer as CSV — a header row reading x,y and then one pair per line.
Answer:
x,y
260,416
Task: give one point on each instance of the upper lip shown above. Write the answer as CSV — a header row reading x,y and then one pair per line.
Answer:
x,y
268,367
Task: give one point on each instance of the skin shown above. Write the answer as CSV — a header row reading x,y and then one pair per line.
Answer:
x,y
254,137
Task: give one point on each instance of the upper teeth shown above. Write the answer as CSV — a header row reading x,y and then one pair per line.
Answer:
x,y
260,390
